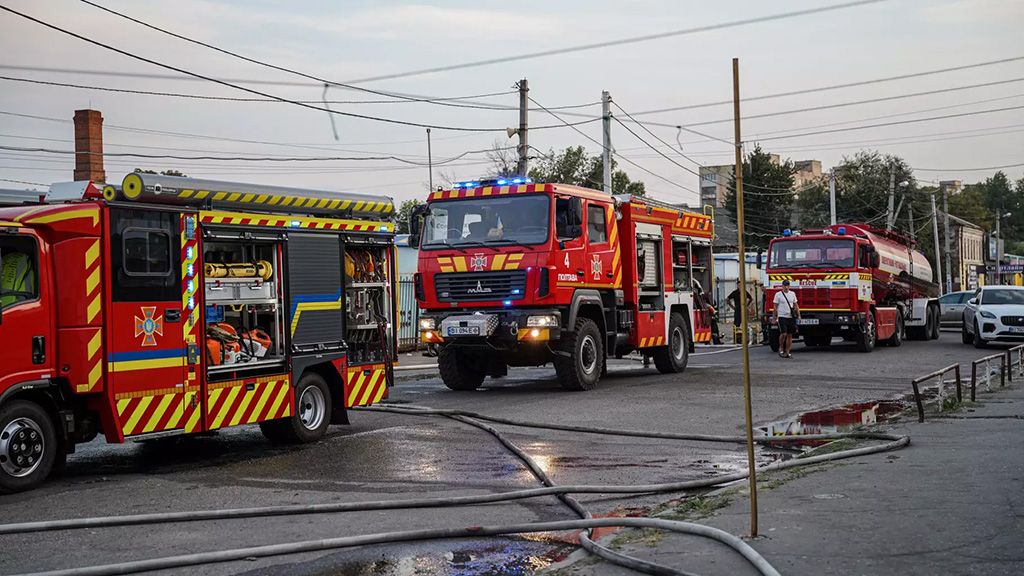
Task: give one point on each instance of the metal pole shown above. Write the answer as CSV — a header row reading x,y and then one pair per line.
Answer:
x,y
430,162
606,157
524,89
743,295
910,220
949,265
832,194
938,254
890,216
999,272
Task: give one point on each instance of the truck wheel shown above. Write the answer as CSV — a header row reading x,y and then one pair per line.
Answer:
x,y
979,342
581,369
896,340
866,339
672,359
28,446
458,371
965,337
312,414
936,324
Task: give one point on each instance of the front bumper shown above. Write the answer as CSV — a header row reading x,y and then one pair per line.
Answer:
x,y
491,327
994,329
810,319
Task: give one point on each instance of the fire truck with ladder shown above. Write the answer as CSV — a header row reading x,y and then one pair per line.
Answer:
x,y
514,273
169,306
864,284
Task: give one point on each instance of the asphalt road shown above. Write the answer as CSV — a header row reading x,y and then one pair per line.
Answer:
x,y
386,456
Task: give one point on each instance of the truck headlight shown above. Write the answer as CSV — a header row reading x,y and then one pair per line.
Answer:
x,y
428,324
542,321
986,314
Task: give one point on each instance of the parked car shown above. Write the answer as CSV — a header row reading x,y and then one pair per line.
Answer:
x,y
994,313
951,308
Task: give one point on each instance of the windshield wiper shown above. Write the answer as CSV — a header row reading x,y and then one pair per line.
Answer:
x,y
507,242
825,265
446,244
469,243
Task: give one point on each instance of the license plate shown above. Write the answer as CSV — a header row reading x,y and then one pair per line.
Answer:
x,y
807,321
463,330
1017,329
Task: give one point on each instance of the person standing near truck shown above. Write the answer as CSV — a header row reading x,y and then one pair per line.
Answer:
x,y
786,312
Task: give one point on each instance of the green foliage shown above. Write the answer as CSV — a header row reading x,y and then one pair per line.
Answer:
x,y
401,217
574,166
767,199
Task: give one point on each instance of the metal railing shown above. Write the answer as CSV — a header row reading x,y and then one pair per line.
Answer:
x,y
1004,362
1019,364
941,375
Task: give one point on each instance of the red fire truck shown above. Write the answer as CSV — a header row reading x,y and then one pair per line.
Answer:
x,y
513,273
178,306
862,283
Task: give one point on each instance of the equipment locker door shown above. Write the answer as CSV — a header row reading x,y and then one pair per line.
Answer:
x,y
146,362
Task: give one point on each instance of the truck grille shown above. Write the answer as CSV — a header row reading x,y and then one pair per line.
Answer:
x,y
476,286
1013,320
814,298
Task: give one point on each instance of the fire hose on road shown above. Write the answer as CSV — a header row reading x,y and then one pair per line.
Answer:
x,y
586,522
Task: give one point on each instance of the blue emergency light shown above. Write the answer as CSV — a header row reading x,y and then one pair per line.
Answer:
x,y
787,232
841,231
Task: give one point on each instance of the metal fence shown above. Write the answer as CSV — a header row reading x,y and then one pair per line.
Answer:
x,y
408,314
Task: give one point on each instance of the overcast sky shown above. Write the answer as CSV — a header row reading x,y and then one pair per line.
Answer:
x,y
352,40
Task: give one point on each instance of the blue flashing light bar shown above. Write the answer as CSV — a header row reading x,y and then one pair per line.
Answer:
x,y
787,232
842,230
491,182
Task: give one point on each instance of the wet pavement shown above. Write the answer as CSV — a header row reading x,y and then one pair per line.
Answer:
x,y
388,456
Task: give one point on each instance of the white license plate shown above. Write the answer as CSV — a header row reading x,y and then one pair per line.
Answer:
x,y
463,330
807,321
1016,329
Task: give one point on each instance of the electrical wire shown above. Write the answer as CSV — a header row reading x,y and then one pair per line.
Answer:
x,y
22,181
251,90
658,138
970,169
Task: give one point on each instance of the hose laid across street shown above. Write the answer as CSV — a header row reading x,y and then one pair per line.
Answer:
x,y
891,442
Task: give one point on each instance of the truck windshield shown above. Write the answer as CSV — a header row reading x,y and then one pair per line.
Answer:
x,y
820,253
493,220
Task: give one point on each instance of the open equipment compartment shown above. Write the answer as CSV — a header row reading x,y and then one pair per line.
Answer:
x,y
369,302
244,328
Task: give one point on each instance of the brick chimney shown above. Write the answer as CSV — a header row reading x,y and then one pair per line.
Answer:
x,y
89,146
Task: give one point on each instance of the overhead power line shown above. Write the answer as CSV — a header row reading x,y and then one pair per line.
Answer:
x,y
23,182
970,169
250,90
619,42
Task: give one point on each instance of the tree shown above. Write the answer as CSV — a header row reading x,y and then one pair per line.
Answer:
x,y
401,217
504,159
574,166
767,197
169,172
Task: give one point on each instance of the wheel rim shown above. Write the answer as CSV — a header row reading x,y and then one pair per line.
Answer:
x,y
588,354
677,343
312,407
21,447
871,331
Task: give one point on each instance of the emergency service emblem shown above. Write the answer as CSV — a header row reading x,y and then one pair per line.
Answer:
x,y
149,326
478,262
595,266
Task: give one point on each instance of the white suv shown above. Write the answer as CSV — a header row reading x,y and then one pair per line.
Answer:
x,y
994,313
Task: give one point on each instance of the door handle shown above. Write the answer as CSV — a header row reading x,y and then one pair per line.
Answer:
x,y
581,273
610,275
172,314
39,349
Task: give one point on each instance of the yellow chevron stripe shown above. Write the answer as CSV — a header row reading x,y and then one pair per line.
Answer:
x,y
247,397
268,389
281,395
460,263
193,422
499,260
161,409
92,253
225,409
368,389
355,388
140,410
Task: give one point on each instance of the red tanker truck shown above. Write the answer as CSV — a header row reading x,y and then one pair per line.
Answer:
x,y
861,283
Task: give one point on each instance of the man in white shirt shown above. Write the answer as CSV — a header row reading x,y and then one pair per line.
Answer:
x,y
785,312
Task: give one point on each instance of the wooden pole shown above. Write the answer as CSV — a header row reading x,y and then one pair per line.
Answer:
x,y
743,296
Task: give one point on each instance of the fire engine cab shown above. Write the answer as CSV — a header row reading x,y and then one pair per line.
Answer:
x,y
172,306
513,273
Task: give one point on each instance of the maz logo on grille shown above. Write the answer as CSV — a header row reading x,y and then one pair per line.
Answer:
x,y
480,289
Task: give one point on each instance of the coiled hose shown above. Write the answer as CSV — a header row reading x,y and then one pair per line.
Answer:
x,y
586,522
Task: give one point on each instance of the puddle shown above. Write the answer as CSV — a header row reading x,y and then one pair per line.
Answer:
x,y
834,420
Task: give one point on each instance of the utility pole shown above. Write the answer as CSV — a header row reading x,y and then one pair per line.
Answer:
x,y
910,219
890,216
999,272
832,194
751,469
938,259
945,217
430,163
606,157
524,148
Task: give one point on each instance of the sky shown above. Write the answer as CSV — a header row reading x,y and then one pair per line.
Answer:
x,y
347,41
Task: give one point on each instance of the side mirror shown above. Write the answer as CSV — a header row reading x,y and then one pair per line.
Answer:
x,y
416,224
760,258
876,260
972,301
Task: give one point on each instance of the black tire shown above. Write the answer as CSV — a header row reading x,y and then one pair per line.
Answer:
x,y
578,365
458,371
867,339
965,336
936,323
311,417
672,359
26,433
896,340
978,341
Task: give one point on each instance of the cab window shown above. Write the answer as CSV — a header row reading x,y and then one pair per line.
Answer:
x,y
568,218
19,270
597,227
